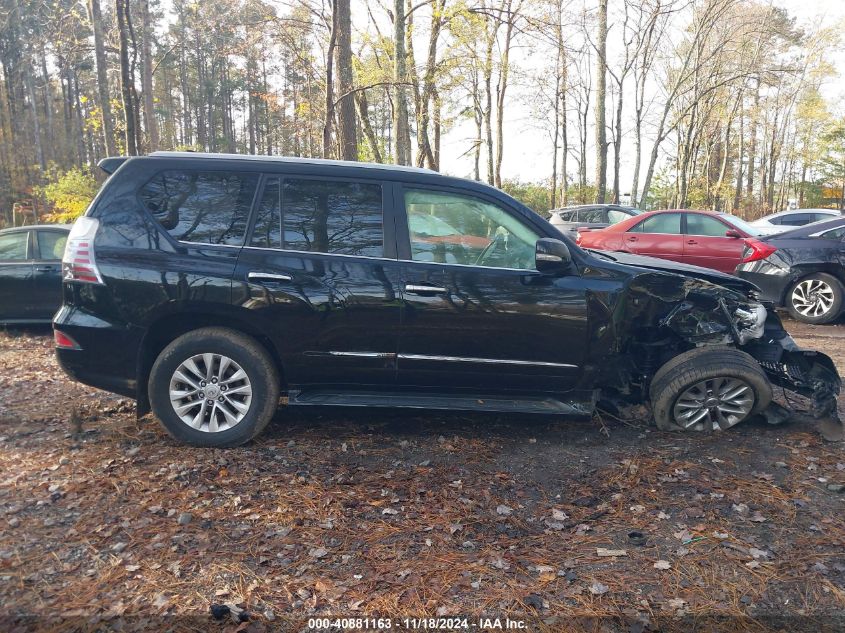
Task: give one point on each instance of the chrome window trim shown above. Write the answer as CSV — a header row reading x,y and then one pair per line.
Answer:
x,y
383,259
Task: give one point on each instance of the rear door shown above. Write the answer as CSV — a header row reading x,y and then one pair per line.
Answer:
x,y
17,288
49,248
476,313
706,244
657,236
319,272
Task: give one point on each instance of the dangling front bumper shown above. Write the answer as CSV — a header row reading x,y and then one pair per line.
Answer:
x,y
806,372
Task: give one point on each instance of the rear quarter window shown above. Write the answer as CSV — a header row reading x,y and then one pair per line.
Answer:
x,y
201,207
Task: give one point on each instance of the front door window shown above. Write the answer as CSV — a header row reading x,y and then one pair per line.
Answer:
x,y
450,228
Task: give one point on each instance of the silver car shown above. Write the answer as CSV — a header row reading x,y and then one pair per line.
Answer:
x,y
593,216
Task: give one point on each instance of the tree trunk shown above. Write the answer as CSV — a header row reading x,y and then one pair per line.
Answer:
x,y
752,145
121,11
739,164
501,88
328,122
147,77
96,19
401,125
33,110
348,127
601,88
617,146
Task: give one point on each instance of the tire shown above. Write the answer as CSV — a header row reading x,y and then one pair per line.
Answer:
x,y
816,298
243,397
699,375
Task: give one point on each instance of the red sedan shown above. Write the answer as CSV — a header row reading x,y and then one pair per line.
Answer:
x,y
702,238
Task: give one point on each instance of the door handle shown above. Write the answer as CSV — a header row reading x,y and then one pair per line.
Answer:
x,y
270,277
632,239
420,289
691,242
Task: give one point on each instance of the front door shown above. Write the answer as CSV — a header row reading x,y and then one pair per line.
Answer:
x,y
17,288
705,244
657,236
476,313
318,273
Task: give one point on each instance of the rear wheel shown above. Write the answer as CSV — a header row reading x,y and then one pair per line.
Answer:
x,y
817,298
708,389
214,387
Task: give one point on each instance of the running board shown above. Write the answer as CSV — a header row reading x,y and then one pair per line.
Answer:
x,y
580,403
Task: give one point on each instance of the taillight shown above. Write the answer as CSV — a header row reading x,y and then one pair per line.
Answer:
x,y
78,263
64,341
755,250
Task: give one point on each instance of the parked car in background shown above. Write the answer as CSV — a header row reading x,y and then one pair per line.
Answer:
x,y
802,270
700,238
207,286
787,220
31,272
594,216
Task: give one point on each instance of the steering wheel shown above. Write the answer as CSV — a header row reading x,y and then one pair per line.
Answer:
x,y
483,254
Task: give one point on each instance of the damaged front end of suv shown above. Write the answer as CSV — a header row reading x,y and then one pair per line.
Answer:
x,y
706,352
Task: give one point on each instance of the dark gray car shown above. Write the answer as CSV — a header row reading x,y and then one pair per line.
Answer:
x,y
593,216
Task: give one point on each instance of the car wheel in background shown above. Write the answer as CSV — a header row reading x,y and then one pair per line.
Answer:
x,y
817,298
708,389
214,387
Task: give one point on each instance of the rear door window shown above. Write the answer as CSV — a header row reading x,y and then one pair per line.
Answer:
x,y
51,244
321,216
201,207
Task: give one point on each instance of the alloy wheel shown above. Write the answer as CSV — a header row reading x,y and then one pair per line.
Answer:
x,y
210,392
812,298
715,403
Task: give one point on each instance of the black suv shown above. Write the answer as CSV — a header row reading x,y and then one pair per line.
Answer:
x,y
211,288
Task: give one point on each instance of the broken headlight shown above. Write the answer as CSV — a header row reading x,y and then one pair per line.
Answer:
x,y
750,321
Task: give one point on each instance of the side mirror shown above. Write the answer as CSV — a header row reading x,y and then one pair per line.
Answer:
x,y
552,257
732,233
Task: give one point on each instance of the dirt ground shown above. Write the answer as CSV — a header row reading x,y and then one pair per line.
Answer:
x,y
355,513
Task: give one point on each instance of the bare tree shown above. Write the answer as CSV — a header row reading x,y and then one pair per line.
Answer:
x,y
346,103
126,80
601,89
402,145
96,19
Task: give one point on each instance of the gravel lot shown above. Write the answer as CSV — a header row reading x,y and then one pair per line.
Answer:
x,y
353,513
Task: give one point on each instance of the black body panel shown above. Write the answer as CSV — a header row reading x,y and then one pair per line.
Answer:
x,y
375,326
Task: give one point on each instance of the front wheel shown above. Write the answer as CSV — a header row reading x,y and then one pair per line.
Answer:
x,y
816,299
708,389
214,387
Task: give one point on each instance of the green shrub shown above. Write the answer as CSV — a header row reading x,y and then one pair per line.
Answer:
x,y
70,195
